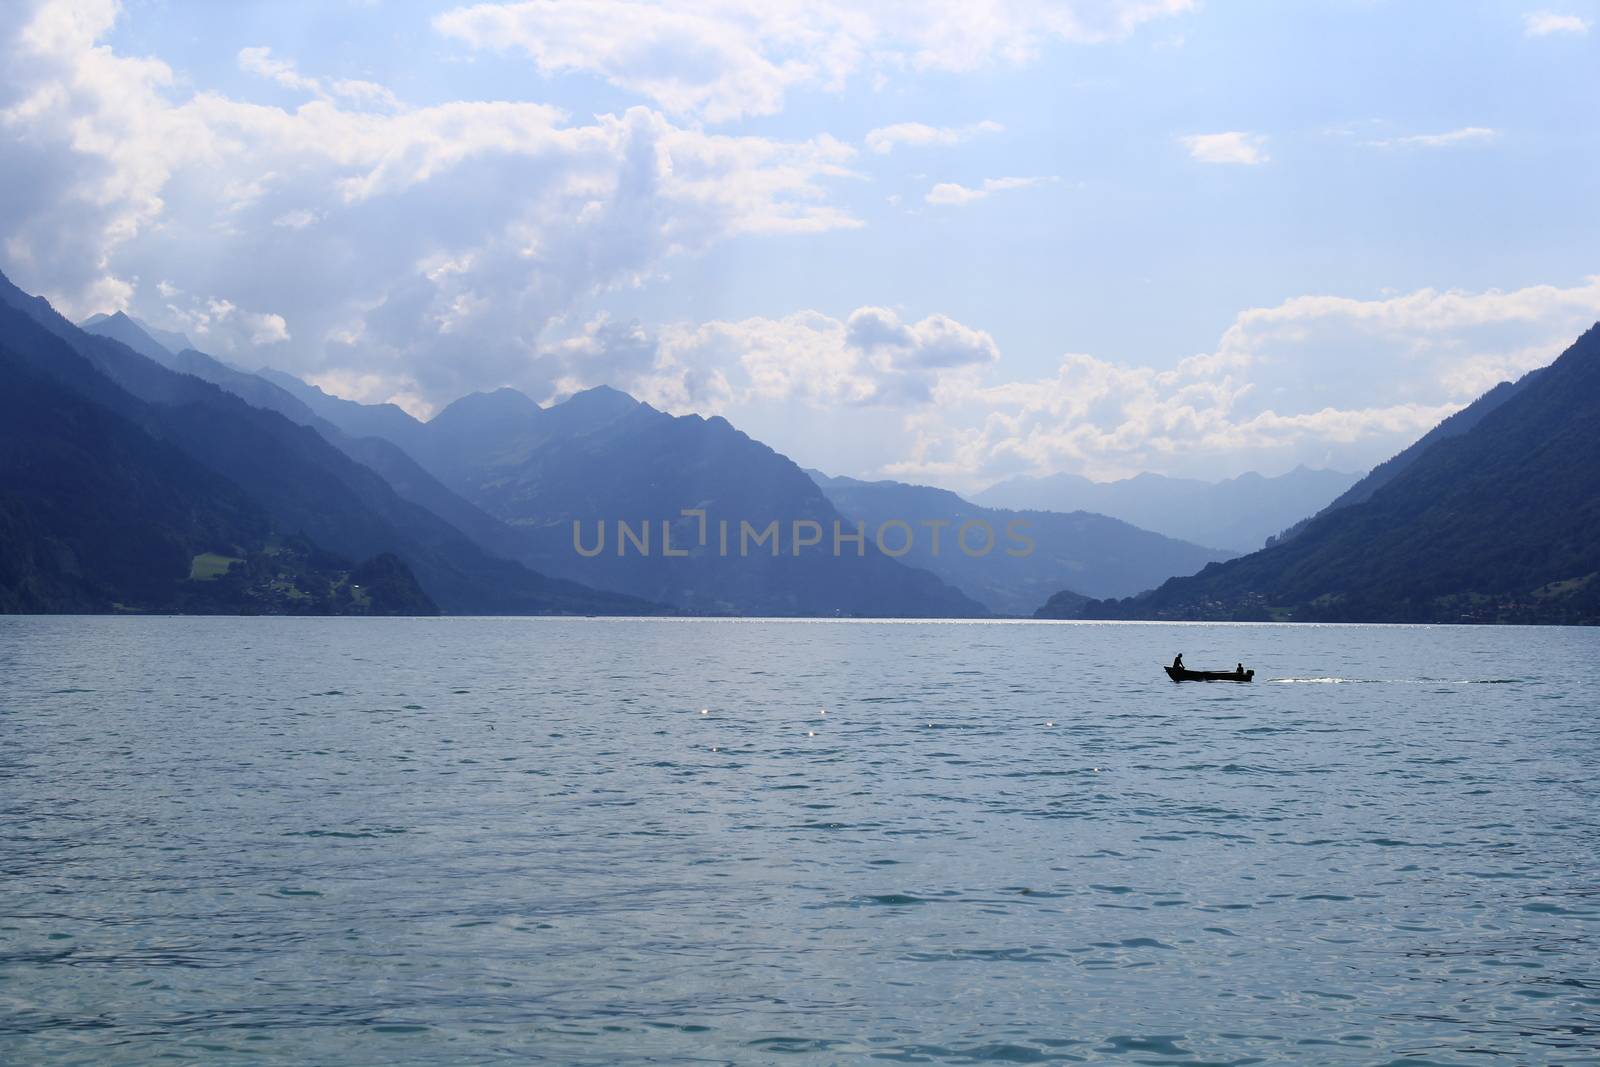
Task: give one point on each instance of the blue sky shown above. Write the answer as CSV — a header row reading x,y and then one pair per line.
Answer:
x,y
941,241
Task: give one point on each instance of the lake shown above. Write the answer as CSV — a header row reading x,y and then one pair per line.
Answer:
x,y
348,841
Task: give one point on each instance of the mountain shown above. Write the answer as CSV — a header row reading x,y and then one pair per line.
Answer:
x,y
97,515
1032,553
408,479
1387,471
1238,513
601,458
482,435
514,477
253,389
1496,519
169,340
309,489
122,327
387,421
1064,604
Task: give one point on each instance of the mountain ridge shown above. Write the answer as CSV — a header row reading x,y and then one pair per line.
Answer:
x,y
1237,513
1496,522
602,456
97,515
1093,553
303,481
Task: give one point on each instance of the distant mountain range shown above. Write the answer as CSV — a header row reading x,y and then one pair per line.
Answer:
x,y
602,457
516,477
137,335
1238,513
139,474
1492,517
404,475
150,483
1390,469
1011,560
99,513
599,459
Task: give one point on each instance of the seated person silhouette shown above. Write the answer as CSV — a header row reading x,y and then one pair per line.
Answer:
x,y
1177,662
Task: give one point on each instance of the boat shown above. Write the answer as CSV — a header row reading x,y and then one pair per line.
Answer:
x,y
1183,674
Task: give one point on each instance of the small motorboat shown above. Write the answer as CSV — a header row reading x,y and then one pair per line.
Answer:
x,y
1183,674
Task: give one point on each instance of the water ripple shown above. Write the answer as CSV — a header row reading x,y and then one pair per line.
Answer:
x,y
474,841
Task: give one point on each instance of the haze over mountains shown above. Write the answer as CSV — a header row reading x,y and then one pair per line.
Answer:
x,y
238,482
96,513
1392,468
1236,513
1492,517
514,477
601,457
539,469
138,477
1017,558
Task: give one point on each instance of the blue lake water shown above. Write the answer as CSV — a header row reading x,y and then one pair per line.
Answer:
x,y
597,841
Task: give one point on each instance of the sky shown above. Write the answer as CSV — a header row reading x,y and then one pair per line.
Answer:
x,y
945,241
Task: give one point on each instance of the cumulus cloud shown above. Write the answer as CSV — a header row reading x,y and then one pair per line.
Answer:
x,y
429,247
871,358
1323,380
884,139
952,194
413,253
1317,379
727,59
1235,146
267,328
1545,23
1466,135
216,324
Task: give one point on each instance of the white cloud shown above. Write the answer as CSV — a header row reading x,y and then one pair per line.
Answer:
x,y
415,252
873,358
1466,135
1316,379
953,194
267,329
1234,146
1322,380
1544,23
261,61
479,224
373,389
727,59
215,323
298,219
884,139
364,92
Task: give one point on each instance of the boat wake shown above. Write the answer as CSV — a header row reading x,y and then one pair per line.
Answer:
x,y
1395,681
1313,681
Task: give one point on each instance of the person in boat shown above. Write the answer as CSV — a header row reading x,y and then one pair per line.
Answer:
x,y
1177,662
1239,670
